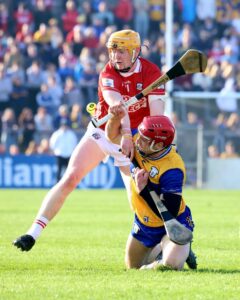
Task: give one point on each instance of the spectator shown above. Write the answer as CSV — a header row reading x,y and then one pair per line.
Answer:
x,y
185,37
41,14
19,96
56,39
233,123
69,18
230,151
15,71
220,126
141,18
27,128
104,14
22,35
34,80
216,51
76,38
43,124
30,55
62,143
45,99
22,16
206,9
64,70
91,39
77,120
5,90
156,16
13,56
43,147
55,91
68,54
31,149
88,82
14,150
71,94
42,35
2,149
4,17
86,11
9,133
85,57
213,151
51,71
62,114
123,13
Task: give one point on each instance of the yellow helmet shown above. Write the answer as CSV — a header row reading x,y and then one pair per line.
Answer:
x,y
124,39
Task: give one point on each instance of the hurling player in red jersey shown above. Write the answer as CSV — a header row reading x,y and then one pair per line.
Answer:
x,y
124,76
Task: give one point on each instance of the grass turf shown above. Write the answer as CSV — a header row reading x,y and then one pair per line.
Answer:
x,y
80,255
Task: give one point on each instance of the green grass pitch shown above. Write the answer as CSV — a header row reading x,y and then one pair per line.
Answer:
x,y
80,255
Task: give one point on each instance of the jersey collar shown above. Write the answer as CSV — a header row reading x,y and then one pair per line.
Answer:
x,y
161,155
136,70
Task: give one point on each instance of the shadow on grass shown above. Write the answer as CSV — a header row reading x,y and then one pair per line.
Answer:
x,y
219,271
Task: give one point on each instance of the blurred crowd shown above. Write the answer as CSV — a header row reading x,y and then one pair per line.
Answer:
x,y
51,53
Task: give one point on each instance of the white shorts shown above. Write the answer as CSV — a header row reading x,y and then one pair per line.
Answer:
x,y
110,149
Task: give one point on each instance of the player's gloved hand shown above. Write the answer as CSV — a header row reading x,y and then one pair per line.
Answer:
x,y
24,242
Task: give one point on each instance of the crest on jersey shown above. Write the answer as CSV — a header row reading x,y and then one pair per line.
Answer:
x,y
153,172
96,136
139,86
108,82
146,219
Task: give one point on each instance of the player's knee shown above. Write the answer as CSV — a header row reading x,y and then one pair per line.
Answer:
x,y
71,179
131,264
173,263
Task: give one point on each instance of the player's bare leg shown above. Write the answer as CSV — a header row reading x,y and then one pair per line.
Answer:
x,y
125,173
136,253
86,156
173,255
154,254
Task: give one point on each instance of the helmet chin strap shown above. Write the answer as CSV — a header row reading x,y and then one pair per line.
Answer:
x,y
143,154
127,69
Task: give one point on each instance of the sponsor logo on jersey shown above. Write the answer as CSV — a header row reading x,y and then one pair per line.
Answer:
x,y
108,82
142,103
139,86
153,172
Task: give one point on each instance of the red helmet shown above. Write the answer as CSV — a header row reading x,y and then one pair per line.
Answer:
x,y
157,129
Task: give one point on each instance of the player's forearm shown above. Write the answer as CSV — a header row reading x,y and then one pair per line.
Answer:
x,y
113,130
125,122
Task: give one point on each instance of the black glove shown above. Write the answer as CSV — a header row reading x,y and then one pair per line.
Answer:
x,y
24,242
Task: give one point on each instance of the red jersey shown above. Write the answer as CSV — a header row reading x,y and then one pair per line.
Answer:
x,y
129,86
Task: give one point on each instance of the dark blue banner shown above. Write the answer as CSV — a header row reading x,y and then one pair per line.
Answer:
x,y
37,171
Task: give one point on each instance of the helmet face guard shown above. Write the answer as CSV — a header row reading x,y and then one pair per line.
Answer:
x,y
157,129
125,39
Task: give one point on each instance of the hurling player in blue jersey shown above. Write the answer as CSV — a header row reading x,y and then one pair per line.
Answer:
x,y
162,168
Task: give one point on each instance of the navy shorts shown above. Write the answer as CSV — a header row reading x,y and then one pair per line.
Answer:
x,y
151,236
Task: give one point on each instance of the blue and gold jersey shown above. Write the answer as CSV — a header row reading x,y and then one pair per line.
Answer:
x,y
166,175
